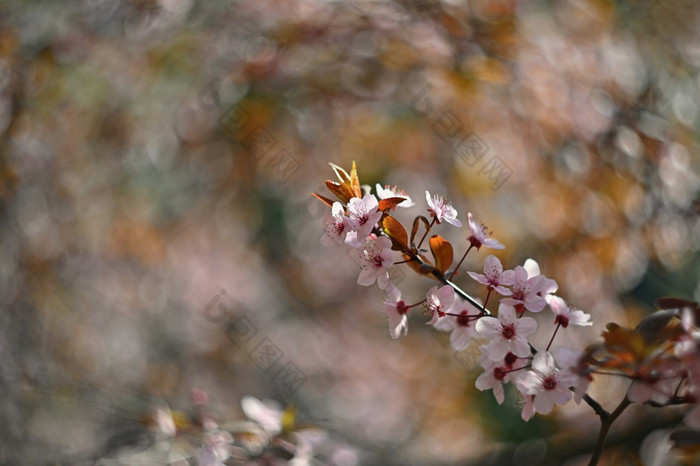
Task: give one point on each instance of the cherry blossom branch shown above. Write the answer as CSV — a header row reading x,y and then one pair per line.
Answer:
x,y
464,295
597,408
605,424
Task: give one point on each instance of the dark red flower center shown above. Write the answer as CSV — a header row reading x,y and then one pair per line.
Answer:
x,y
549,383
463,319
475,242
499,373
508,331
562,320
401,308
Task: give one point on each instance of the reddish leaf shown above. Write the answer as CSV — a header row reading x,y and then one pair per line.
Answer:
x,y
340,190
349,185
323,199
442,252
395,231
390,203
355,181
675,303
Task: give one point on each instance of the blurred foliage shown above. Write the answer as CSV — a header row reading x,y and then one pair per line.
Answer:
x,y
132,194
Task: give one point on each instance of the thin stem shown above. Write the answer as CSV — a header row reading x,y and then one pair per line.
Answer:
x,y
553,335
488,295
460,262
678,387
426,232
605,425
518,368
468,316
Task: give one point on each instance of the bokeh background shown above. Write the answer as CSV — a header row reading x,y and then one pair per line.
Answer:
x,y
151,246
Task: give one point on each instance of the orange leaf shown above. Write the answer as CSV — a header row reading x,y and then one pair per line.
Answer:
x,y
340,190
323,199
620,340
395,231
442,252
390,203
355,181
349,185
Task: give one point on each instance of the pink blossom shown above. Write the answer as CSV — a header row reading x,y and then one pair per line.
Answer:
x,y
461,325
438,302
492,379
568,316
388,192
352,240
574,367
363,214
441,210
480,236
375,259
336,226
495,374
528,407
546,383
494,276
525,291
395,310
506,333
547,286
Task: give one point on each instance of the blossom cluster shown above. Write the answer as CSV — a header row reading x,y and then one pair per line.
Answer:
x,y
363,221
660,357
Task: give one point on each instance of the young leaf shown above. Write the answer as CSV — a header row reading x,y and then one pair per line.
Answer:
x,y
442,252
390,203
395,231
355,181
339,172
349,185
323,199
340,190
